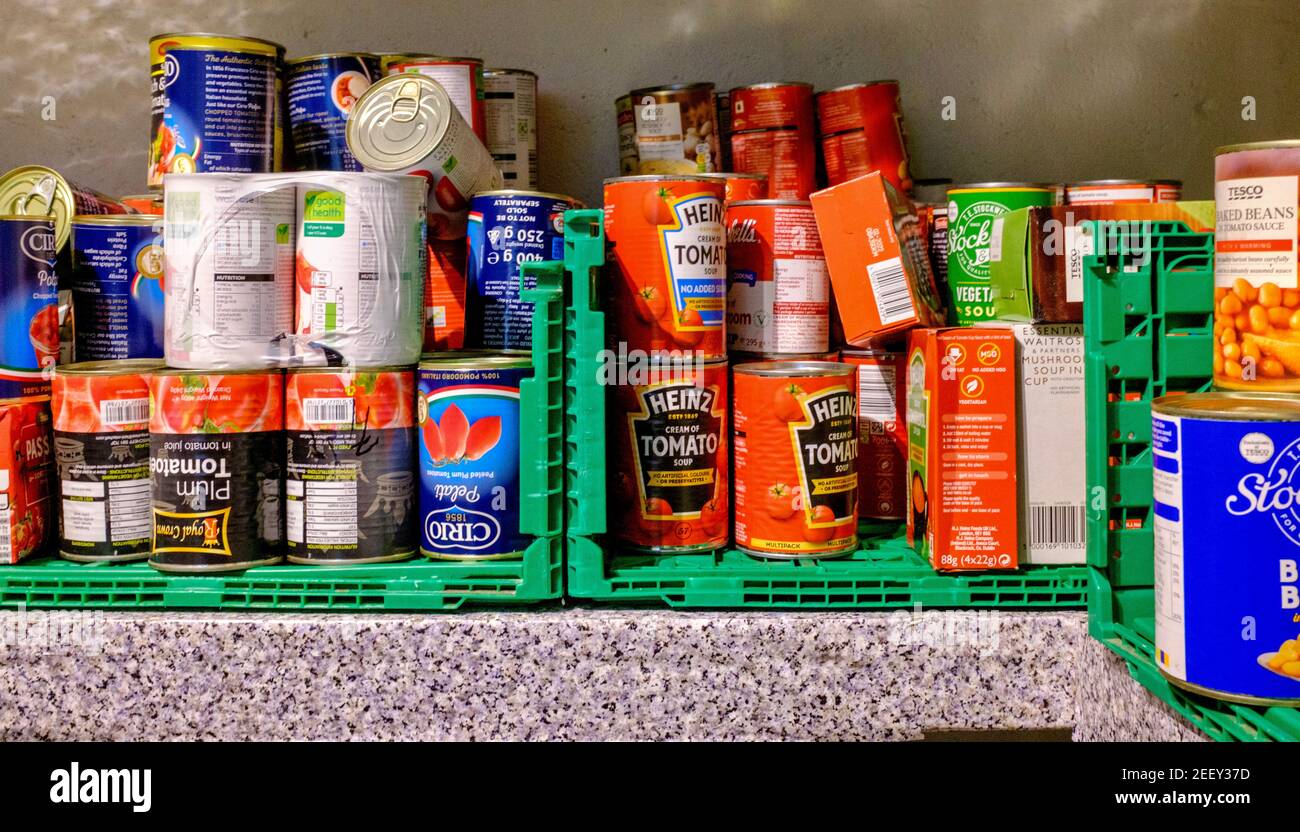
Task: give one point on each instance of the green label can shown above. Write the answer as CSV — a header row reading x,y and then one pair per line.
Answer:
x,y
974,234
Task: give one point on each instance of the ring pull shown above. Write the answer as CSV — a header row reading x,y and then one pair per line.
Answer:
x,y
406,103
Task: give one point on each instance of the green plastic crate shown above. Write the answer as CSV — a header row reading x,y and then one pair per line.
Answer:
x,y
417,584
1148,330
884,574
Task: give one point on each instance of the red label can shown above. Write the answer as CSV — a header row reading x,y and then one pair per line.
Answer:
x,y
871,118
786,155
882,433
667,255
778,290
760,106
741,185
795,446
444,295
26,479
668,455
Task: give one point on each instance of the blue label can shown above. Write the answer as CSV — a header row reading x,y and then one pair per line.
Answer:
x,y
467,407
1226,479
322,90
117,292
507,228
29,309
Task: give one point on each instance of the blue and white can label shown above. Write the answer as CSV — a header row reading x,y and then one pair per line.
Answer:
x,y
117,288
29,311
469,458
322,90
1227,544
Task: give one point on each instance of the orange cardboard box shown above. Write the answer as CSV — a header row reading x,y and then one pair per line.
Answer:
x,y
876,254
961,447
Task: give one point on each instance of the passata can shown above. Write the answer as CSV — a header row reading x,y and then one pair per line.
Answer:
x,y
468,412
215,104
740,186
667,249
510,104
1226,469
778,289
508,228
360,268
795,451
27,491
101,449
407,123
117,287
787,156
862,118
322,89
1117,191
882,433
228,278
40,192
676,129
144,203
216,454
29,344
669,455
462,78
350,465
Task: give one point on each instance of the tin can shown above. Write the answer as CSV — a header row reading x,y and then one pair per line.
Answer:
x,y
1227,543
882,433
444,295
795,447
117,287
787,156
407,123
462,78
629,162
40,192
741,186
778,289
350,465
863,123
676,129
101,449
669,456
667,249
1117,191
933,219
228,270
508,228
972,211
468,411
772,104
722,106
215,104
510,105
29,345
1257,287
26,479
322,89
151,204
360,267
216,455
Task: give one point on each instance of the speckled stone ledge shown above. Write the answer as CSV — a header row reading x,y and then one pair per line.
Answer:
x,y
563,674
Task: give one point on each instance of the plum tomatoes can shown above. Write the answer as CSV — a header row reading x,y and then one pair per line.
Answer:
x,y
668,258
676,129
349,465
216,457
101,451
27,490
29,346
322,90
795,453
862,125
117,287
669,456
467,407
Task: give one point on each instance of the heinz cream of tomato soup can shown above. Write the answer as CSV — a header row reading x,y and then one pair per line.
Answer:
x,y
741,186
795,451
1119,191
1256,288
510,103
666,247
1226,467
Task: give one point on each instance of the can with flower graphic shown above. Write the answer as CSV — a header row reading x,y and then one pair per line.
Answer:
x,y
117,287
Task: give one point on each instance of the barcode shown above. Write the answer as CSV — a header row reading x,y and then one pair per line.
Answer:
x,y
124,411
1061,525
889,285
877,399
5,553
327,411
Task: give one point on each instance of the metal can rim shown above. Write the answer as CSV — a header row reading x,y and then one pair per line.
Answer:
x,y
141,220
33,217
111,367
248,38
794,369
771,85
1272,144
352,368
859,85
182,371
445,59
785,128
685,87
527,192
1004,186
1242,406
503,70
803,203
659,177
1089,183
727,174
431,138
325,55
473,360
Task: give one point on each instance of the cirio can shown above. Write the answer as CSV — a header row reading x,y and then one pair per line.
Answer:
x,y
510,105
117,287
862,130
29,345
321,90
41,193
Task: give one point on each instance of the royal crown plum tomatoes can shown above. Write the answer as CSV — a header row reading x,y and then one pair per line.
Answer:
x,y
27,490
668,258
29,344
117,287
741,186
862,130
350,465
216,457
467,408
444,295
321,91
101,451
795,452
215,104
669,456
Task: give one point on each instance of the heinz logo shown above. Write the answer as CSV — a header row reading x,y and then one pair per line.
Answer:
x,y
464,528
39,244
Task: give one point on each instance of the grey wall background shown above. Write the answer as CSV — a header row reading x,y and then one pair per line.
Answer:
x,y
1045,89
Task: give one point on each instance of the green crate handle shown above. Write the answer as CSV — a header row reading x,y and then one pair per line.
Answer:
x,y
540,419
584,254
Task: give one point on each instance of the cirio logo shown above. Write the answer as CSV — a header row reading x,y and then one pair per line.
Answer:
x,y
464,528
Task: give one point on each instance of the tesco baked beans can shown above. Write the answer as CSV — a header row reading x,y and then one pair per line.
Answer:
x,y
668,256
778,289
669,456
862,130
795,450
741,186
1120,191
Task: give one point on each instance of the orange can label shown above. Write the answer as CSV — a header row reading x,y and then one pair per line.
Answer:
x,y
786,155
772,105
26,462
742,186
795,445
444,295
876,111
667,252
